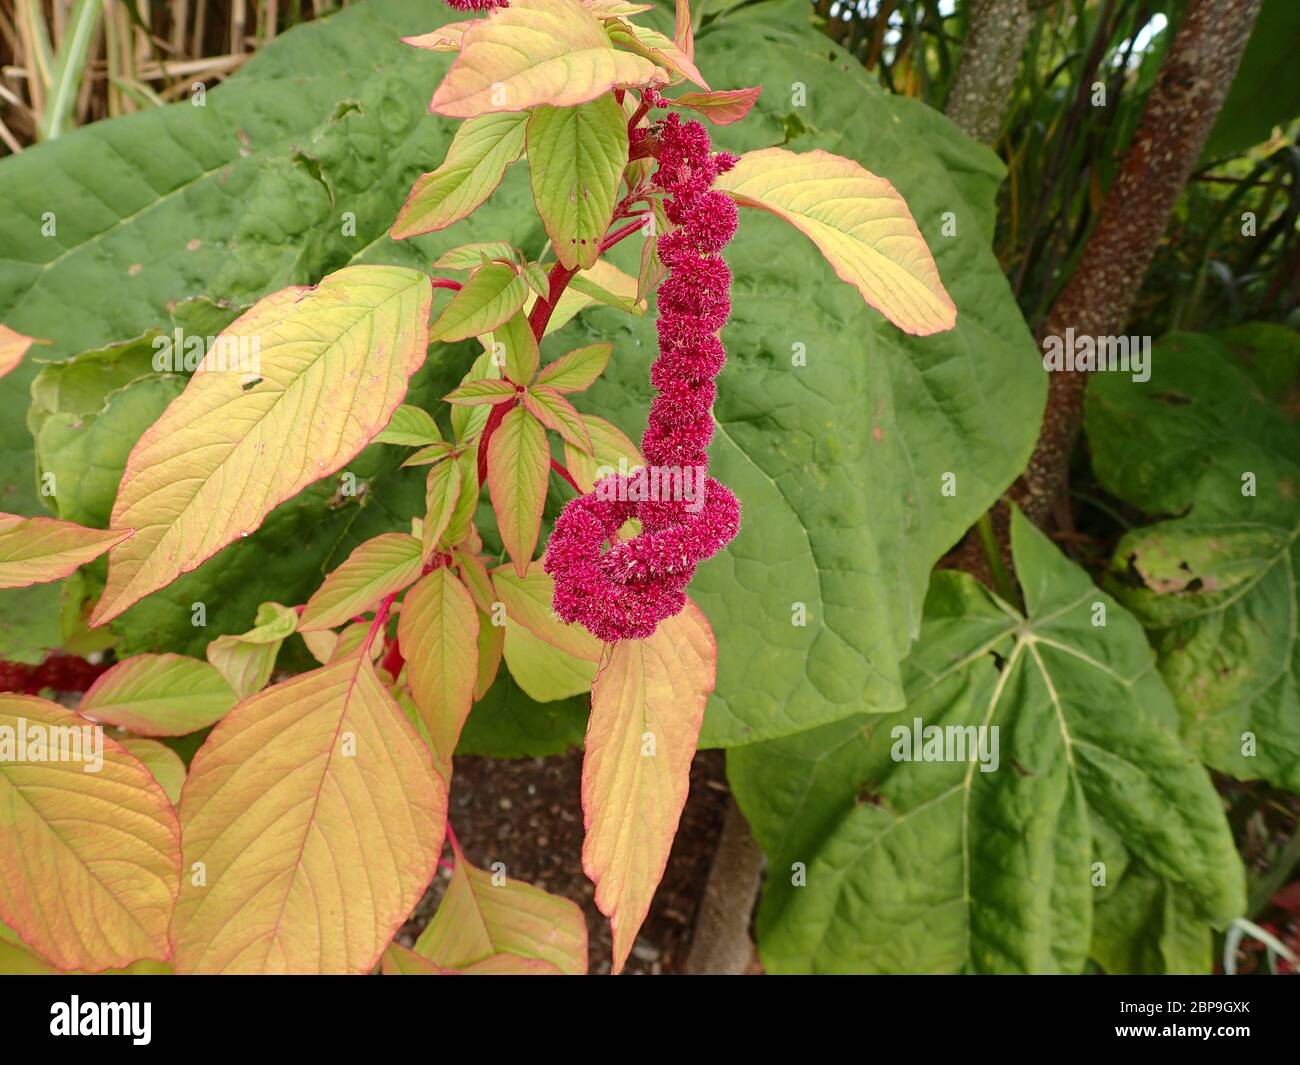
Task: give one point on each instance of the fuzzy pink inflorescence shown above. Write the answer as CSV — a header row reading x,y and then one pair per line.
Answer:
x,y
622,589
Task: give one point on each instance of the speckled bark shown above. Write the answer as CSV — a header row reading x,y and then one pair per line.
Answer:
x,y
990,60
1097,300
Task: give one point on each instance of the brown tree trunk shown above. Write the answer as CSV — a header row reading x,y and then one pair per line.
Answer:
x,y
990,61
721,945
1098,298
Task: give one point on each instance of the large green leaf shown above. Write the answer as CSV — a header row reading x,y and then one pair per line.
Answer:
x,y
1217,586
986,865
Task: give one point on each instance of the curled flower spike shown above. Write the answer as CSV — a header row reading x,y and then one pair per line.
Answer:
x,y
622,589
477,5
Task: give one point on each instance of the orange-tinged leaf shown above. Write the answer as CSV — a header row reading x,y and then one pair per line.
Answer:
x,y
518,463
519,354
612,452
401,961
386,564
536,52
604,274
318,817
334,364
247,660
39,550
13,346
858,222
555,412
444,39
577,370
476,162
474,575
722,107
438,633
479,919
159,695
527,600
683,34
410,427
486,390
647,705
89,861
164,764
656,47
462,518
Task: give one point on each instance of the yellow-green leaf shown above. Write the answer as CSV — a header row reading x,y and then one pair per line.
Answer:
x,y
536,52
441,493
527,600
472,256
247,660
317,818
482,916
518,353
410,427
491,295
334,361
89,861
159,695
491,643
656,47
555,412
386,564
476,161
474,575
576,157
39,550
858,222
518,464
400,961
541,670
444,39
578,370
605,274
647,706
723,107
485,391
438,633
164,764
462,518
612,452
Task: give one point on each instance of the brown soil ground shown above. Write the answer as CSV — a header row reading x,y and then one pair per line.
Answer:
x,y
527,814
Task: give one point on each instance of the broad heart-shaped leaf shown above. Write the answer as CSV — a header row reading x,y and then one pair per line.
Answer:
x,y
1217,587
1150,926
481,916
386,564
39,550
312,800
476,162
332,362
438,634
518,467
536,52
159,695
647,705
929,845
89,857
576,157
858,221
489,297
247,660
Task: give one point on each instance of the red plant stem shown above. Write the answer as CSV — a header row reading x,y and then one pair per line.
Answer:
x,y
621,234
494,419
381,616
446,282
451,838
563,472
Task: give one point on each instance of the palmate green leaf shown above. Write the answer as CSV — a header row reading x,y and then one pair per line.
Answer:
x,y
941,865
1217,586
480,152
576,157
